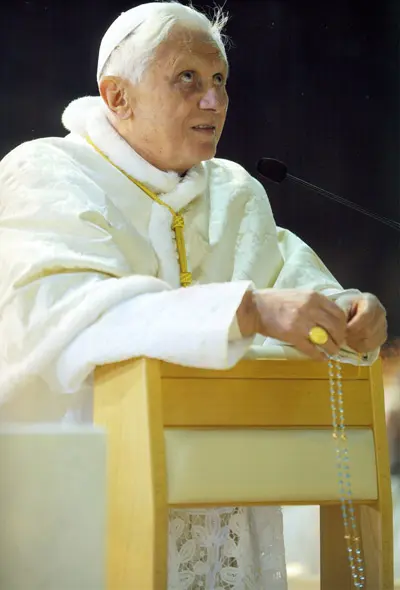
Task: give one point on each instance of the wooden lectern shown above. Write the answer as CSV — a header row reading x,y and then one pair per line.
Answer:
x,y
169,432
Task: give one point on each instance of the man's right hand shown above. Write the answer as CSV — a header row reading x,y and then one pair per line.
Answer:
x,y
289,314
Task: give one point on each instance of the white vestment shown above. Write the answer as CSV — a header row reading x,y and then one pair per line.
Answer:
x,y
89,275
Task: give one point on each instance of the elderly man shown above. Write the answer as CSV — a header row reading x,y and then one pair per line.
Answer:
x,y
127,238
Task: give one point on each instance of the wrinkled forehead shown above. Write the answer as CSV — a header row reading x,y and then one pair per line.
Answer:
x,y
183,43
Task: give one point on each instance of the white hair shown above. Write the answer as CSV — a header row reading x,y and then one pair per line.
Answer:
x,y
132,56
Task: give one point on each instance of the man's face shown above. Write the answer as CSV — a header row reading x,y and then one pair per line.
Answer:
x,y
179,106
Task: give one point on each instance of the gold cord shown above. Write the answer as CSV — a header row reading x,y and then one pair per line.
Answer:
x,y
177,225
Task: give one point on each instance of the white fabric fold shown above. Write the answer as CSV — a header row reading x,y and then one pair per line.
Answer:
x,y
183,326
234,331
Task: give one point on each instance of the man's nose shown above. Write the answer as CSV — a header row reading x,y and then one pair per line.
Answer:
x,y
210,101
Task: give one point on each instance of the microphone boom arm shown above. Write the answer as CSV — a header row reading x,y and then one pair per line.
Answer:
x,y
391,223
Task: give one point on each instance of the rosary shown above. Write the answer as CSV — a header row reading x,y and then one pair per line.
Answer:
x,y
319,336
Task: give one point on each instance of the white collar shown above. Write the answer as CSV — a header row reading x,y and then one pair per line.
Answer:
x,y
87,116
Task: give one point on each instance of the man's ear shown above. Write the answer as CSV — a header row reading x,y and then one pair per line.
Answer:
x,y
113,91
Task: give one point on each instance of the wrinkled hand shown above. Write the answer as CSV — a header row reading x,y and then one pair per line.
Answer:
x,y
289,314
366,323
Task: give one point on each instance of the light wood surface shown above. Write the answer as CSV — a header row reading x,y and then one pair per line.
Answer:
x,y
378,520
264,369
136,400
128,404
260,402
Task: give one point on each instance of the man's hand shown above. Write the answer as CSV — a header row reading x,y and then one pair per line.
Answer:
x,y
366,323
289,314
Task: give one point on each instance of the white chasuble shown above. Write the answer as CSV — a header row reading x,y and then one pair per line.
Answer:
x,y
89,275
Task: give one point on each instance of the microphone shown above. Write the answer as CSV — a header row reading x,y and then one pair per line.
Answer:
x,y
277,172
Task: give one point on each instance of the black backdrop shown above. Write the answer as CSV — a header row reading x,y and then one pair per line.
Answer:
x,y
315,83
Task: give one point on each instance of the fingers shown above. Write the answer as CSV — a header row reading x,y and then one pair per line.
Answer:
x,y
330,348
335,325
367,330
360,320
332,308
367,309
333,319
289,315
368,339
310,350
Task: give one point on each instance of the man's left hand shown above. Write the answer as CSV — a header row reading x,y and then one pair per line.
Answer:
x,y
366,323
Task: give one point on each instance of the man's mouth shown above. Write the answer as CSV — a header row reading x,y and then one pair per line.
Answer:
x,y
209,129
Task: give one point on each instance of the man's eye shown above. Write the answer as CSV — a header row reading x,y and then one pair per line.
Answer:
x,y
220,79
187,77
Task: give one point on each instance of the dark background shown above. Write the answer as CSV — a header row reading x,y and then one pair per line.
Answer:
x,y
315,83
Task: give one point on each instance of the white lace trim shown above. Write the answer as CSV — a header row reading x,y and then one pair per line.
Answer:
x,y
226,549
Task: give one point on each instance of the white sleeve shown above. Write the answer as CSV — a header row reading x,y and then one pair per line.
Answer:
x,y
184,326
234,333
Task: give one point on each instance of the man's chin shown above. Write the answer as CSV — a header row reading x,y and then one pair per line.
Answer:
x,y
206,152
198,154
